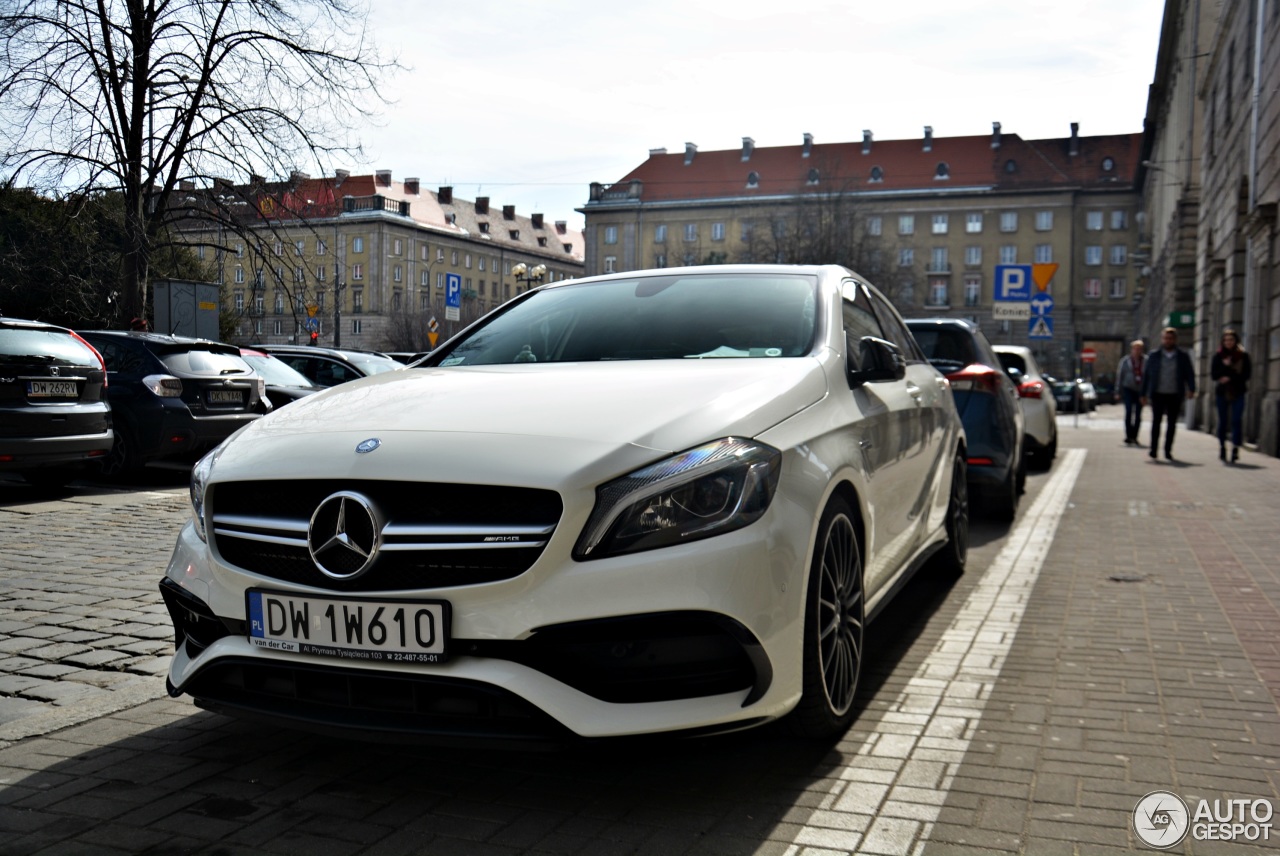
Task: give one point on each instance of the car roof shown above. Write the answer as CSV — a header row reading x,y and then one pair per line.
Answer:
x,y
1012,349
709,270
30,325
942,322
162,339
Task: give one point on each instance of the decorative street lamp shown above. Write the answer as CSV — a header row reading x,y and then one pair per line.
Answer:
x,y
526,274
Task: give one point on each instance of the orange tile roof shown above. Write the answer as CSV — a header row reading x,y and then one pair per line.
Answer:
x,y
970,162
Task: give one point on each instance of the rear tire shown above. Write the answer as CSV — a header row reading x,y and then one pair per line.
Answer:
x,y
835,615
1004,504
123,459
951,559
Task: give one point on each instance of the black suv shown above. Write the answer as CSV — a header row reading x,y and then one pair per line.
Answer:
x,y
331,366
173,396
54,417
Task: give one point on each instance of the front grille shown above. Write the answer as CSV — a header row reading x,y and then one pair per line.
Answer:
x,y
432,535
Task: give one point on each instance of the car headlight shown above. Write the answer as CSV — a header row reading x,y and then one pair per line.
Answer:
x,y
710,490
199,486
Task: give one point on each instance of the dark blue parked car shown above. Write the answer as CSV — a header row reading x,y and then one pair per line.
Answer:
x,y
988,403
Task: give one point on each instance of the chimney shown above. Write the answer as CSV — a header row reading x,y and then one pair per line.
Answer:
x,y
256,179
508,212
808,146
537,221
655,152
341,175
297,175
562,226
412,186
866,142
445,196
482,205
748,145
689,151
1073,147
928,138
186,185
383,178
995,135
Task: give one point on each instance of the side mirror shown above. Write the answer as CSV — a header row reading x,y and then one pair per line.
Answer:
x,y
879,361
1014,373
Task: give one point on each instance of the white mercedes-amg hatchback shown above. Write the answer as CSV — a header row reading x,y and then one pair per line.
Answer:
x,y
659,501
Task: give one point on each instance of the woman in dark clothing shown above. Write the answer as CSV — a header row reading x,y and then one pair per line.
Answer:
x,y
1230,373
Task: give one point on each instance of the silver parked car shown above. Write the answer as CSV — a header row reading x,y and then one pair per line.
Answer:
x,y
1039,407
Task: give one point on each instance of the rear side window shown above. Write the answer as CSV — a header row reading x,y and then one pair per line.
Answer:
x,y
23,343
859,321
1012,361
122,358
199,362
949,347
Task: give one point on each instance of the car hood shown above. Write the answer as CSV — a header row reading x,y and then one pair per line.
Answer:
x,y
459,422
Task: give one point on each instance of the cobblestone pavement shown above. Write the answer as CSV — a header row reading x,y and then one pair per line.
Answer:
x,y
1121,637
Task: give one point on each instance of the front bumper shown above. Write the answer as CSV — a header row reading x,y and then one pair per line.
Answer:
x,y
699,637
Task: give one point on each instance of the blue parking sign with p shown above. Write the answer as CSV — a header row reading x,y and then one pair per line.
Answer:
x,y
452,290
1013,282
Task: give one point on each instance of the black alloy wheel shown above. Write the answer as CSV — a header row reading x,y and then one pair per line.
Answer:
x,y
835,618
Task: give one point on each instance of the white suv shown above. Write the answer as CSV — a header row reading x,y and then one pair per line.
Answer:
x,y
1039,409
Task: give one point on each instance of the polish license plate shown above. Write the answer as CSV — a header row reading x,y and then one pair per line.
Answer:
x,y
224,396
389,631
52,389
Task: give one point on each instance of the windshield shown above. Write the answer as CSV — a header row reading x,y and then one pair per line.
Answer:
x,y
944,346
276,372
201,362
18,344
685,316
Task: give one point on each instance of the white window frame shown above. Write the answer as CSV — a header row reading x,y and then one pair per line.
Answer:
x,y
691,231
1043,254
610,264
717,231
1119,220
1119,254
660,233
1009,254
1092,288
1008,221
906,224
357,245
875,225
1093,254
973,255
611,234
1119,287
1044,221
973,223
940,224
1093,221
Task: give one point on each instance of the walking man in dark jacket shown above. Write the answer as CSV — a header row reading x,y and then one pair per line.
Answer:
x,y
1167,379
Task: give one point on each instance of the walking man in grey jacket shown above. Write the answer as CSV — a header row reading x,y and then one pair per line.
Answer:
x,y
1129,382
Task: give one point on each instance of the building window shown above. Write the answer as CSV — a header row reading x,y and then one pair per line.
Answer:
x,y
357,245
397,274
1119,254
200,252
279,304
717,231
942,172
973,223
1009,254
257,327
480,262
748,231
279,273
660,233
397,247
972,290
239,274
1119,285
453,257
1093,221
355,325
1044,221
277,328
611,234
425,280
424,252
875,226
1119,220
320,274
466,261
1008,221
753,179
257,306
439,280
397,300
1093,255
691,231
906,257
938,259
279,248
940,224
906,224
239,296
424,304
973,256
1093,288
320,301
357,271
938,292
610,263
439,254
1043,254
298,247
357,302
877,175
660,260
239,250
875,261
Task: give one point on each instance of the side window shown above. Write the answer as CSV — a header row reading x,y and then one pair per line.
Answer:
x,y
859,321
120,358
896,331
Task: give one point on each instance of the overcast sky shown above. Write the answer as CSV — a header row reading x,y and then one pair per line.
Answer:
x,y
529,102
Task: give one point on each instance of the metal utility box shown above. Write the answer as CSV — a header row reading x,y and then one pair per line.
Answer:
x,y
184,308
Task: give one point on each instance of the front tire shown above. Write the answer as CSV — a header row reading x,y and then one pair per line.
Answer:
x,y
835,616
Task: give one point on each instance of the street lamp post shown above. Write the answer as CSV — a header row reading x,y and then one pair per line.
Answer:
x,y
523,273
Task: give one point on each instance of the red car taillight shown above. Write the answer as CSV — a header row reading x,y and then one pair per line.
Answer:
x,y
1030,389
975,378
101,361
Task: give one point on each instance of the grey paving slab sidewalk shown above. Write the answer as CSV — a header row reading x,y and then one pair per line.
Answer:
x,y
1143,657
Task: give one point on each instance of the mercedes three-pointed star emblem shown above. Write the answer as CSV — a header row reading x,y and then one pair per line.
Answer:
x,y
344,535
